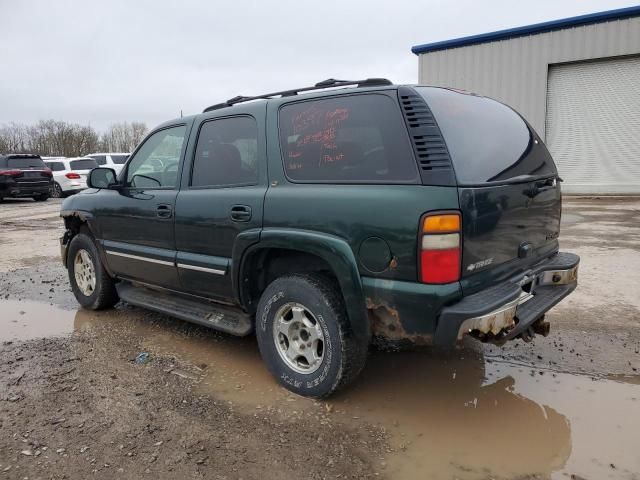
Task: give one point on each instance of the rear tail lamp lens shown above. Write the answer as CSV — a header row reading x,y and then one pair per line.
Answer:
x,y
72,176
47,173
440,248
10,173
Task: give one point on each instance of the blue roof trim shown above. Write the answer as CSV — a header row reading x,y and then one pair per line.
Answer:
x,y
617,14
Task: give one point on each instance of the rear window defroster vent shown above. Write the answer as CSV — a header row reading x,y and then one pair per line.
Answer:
x,y
427,141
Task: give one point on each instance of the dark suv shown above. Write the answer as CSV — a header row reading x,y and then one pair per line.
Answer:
x,y
323,217
24,175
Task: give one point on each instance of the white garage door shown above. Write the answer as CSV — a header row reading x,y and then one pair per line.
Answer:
x,y
593,125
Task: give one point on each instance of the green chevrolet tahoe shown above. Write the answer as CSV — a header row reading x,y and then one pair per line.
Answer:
x,y
324,217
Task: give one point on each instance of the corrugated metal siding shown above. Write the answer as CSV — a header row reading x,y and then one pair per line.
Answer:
x,y
514,71
593,125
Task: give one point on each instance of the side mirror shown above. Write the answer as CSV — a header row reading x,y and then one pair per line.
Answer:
x,y
102,178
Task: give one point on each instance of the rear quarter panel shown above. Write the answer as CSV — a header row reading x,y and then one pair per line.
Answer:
x,y
358,212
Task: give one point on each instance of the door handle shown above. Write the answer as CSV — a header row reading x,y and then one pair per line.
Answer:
x,y
164,211
240,213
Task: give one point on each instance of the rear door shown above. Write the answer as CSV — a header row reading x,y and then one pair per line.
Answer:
x,y
137,222
221,198
507,185
58,170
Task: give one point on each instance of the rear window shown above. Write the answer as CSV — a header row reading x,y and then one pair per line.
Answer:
x,y
55,166
34,162
487,140
346,139
84,164
119,159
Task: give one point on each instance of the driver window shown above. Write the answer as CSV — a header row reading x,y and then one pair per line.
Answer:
x,y
155,165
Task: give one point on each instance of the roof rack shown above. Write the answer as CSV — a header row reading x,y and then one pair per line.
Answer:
x,y
329,83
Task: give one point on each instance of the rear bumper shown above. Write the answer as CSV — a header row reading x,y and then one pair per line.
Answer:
x,y
73,186
17,191
507,310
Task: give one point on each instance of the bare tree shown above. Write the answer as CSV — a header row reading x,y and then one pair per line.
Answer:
x,y
123,137
54,137
15,137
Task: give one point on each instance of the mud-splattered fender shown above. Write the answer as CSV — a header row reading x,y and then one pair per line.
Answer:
x,y
84,218
333,250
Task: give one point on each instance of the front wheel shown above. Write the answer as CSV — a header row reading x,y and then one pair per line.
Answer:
x,y
91,284
305,337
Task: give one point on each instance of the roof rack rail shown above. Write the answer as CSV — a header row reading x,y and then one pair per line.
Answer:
x,y
329,83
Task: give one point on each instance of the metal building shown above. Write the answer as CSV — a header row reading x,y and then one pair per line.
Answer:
x,y
576,80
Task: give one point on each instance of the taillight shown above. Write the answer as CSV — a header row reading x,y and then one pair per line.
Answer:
x,y
72,175
47,172
11,173
440,248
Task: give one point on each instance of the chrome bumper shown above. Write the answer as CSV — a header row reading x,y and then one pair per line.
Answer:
x,y
504,318
510,308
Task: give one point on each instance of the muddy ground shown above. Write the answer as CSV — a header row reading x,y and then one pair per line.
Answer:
x,y
75,404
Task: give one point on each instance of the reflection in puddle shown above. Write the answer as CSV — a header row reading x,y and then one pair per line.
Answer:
x,y
456,415
450,415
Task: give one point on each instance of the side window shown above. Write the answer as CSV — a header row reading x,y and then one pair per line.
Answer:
x,y
100,159
56,166
155,164
227,153
119,159
348,139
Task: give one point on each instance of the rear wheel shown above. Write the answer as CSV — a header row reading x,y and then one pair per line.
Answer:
x,y
304,335
91,284
56,191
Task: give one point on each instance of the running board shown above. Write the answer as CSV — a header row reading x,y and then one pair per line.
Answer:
x,y
209,314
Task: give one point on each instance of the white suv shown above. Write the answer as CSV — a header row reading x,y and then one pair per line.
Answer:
x,y
110,160
69,174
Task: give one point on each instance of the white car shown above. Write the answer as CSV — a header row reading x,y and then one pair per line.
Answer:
x,y
70,174
110,160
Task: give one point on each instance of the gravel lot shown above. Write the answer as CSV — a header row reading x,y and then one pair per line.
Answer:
x,y
75,404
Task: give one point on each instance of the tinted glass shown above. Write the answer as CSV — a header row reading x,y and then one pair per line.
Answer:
x,y
100,159
349,139
34,163
84,164
155,164
227,153
487,140
119,159
55,166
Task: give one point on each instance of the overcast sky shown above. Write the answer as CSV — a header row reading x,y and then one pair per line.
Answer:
x,y
99,62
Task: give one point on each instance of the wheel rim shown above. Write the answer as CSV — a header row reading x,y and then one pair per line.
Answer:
x,y
298,338
85,272
56,191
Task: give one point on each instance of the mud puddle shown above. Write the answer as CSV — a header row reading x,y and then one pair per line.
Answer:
x,y
449,415
25,320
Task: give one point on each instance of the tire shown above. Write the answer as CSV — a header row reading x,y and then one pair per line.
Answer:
x,y
42,197
56,191
99,293
336,359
